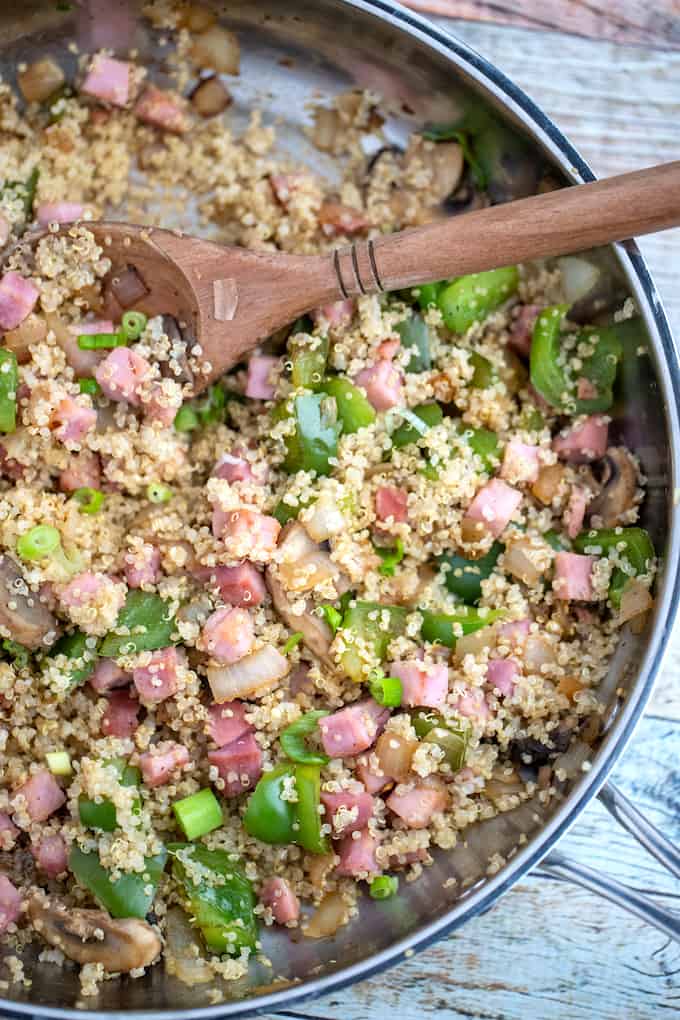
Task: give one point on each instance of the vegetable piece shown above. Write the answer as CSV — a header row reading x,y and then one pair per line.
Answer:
x,y
90,500
375,625
308,787
80,648
157,493
9,383
452,739
249,677
144,624
102,814
429,414
19,654
484,374
186,419
210,97
21,613
216,48
308,356
292,642
464,577
40,80
315,439
273,819
386,690
218,896
332,616
43,542
101,341
131,895
293,742
483,442
633,546
415,336
391,558
425,294
446,628
59,763
198,814
133,325
90,386
24,191
471,298
448,133
354,411
382,887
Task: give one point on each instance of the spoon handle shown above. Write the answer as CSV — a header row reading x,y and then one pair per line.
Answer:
x,y
556,223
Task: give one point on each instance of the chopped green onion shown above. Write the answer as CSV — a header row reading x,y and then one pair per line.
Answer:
x,y
353,409
90,500
387,690
89,386
133,325
38,543
186,419
390,558
59,763
19,653
198,814
332,617
293,740
100,341
382,887
9,383
157,493
292,641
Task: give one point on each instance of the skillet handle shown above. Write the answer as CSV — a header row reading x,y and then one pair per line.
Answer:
x,y
557,865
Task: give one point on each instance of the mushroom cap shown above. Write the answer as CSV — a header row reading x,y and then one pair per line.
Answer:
x,y
619,486
22,615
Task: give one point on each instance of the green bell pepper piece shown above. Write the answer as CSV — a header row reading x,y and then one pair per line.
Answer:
x,y
638,551
464,578
430,414
431,728
483,442
74,646
440,628
353,409
315,439
146,619
363,619
415,336
268,817
484,374
9,383
308,355
471,298
425,294
221,901
293,739
102,815
131,895
308,831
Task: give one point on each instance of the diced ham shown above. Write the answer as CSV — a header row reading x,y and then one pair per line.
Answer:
x,y
160,405
93,327
8,832
283,186
574,577
522,329
584,442
239,764
234,469
51,855
86,588
261,367
121,374
108,675
360,805
10,903
383,384
425,686
501,676
357,855
391,502
242,585
108,79
516,632
335,315
415,806
228,635
227,722
142,566
159,764
353,729
157,680
389,349
373,782
83,471
520,462
337,220
494,506
17,299
58,212
575,510
473,704
278,895
72,420
247,534
42,795
161,110
120,718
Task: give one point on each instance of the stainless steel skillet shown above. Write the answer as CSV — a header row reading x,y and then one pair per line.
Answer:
x,y
291,50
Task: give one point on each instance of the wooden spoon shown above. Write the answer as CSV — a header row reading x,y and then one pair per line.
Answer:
x,y
230,299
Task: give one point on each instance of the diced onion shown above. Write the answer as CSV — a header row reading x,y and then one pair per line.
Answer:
x,y
330,915
323,518
547,485
635,600
40,80
32,330
302,564
325,129
210,97
249,677
538,651
579,277
183,952
217,49
519,562
473,644
394,754
196,18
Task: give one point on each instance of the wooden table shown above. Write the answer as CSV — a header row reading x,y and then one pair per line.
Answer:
x,y
549,951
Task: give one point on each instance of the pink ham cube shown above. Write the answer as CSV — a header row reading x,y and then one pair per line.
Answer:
x,y
575,510
339,220
10,903
72,420
108,675
520,462
228,635
83,471
142,566
108,79
515,632
160,405
493,507
383,384
373,781
17,299
522,329
121,374
58,212
283,186
277,894
158,680
261,369
161,110
415,805
391,502
234,469
425,686
51,855
241,585
472,704
42,795
574,577
357,855
353,729
160,763
346,811
501,675
247,534
87,587
239,764
227,722
335,315
120,718
584,442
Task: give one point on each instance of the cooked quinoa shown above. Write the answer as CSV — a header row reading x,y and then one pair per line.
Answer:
x,y
266,648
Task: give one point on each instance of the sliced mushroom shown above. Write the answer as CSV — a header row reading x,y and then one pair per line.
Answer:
x,y
444,160
467,197
93,936
303,564
316,633
210,96
619,485
23,617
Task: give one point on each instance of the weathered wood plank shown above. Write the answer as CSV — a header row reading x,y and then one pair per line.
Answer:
x,y
625,21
